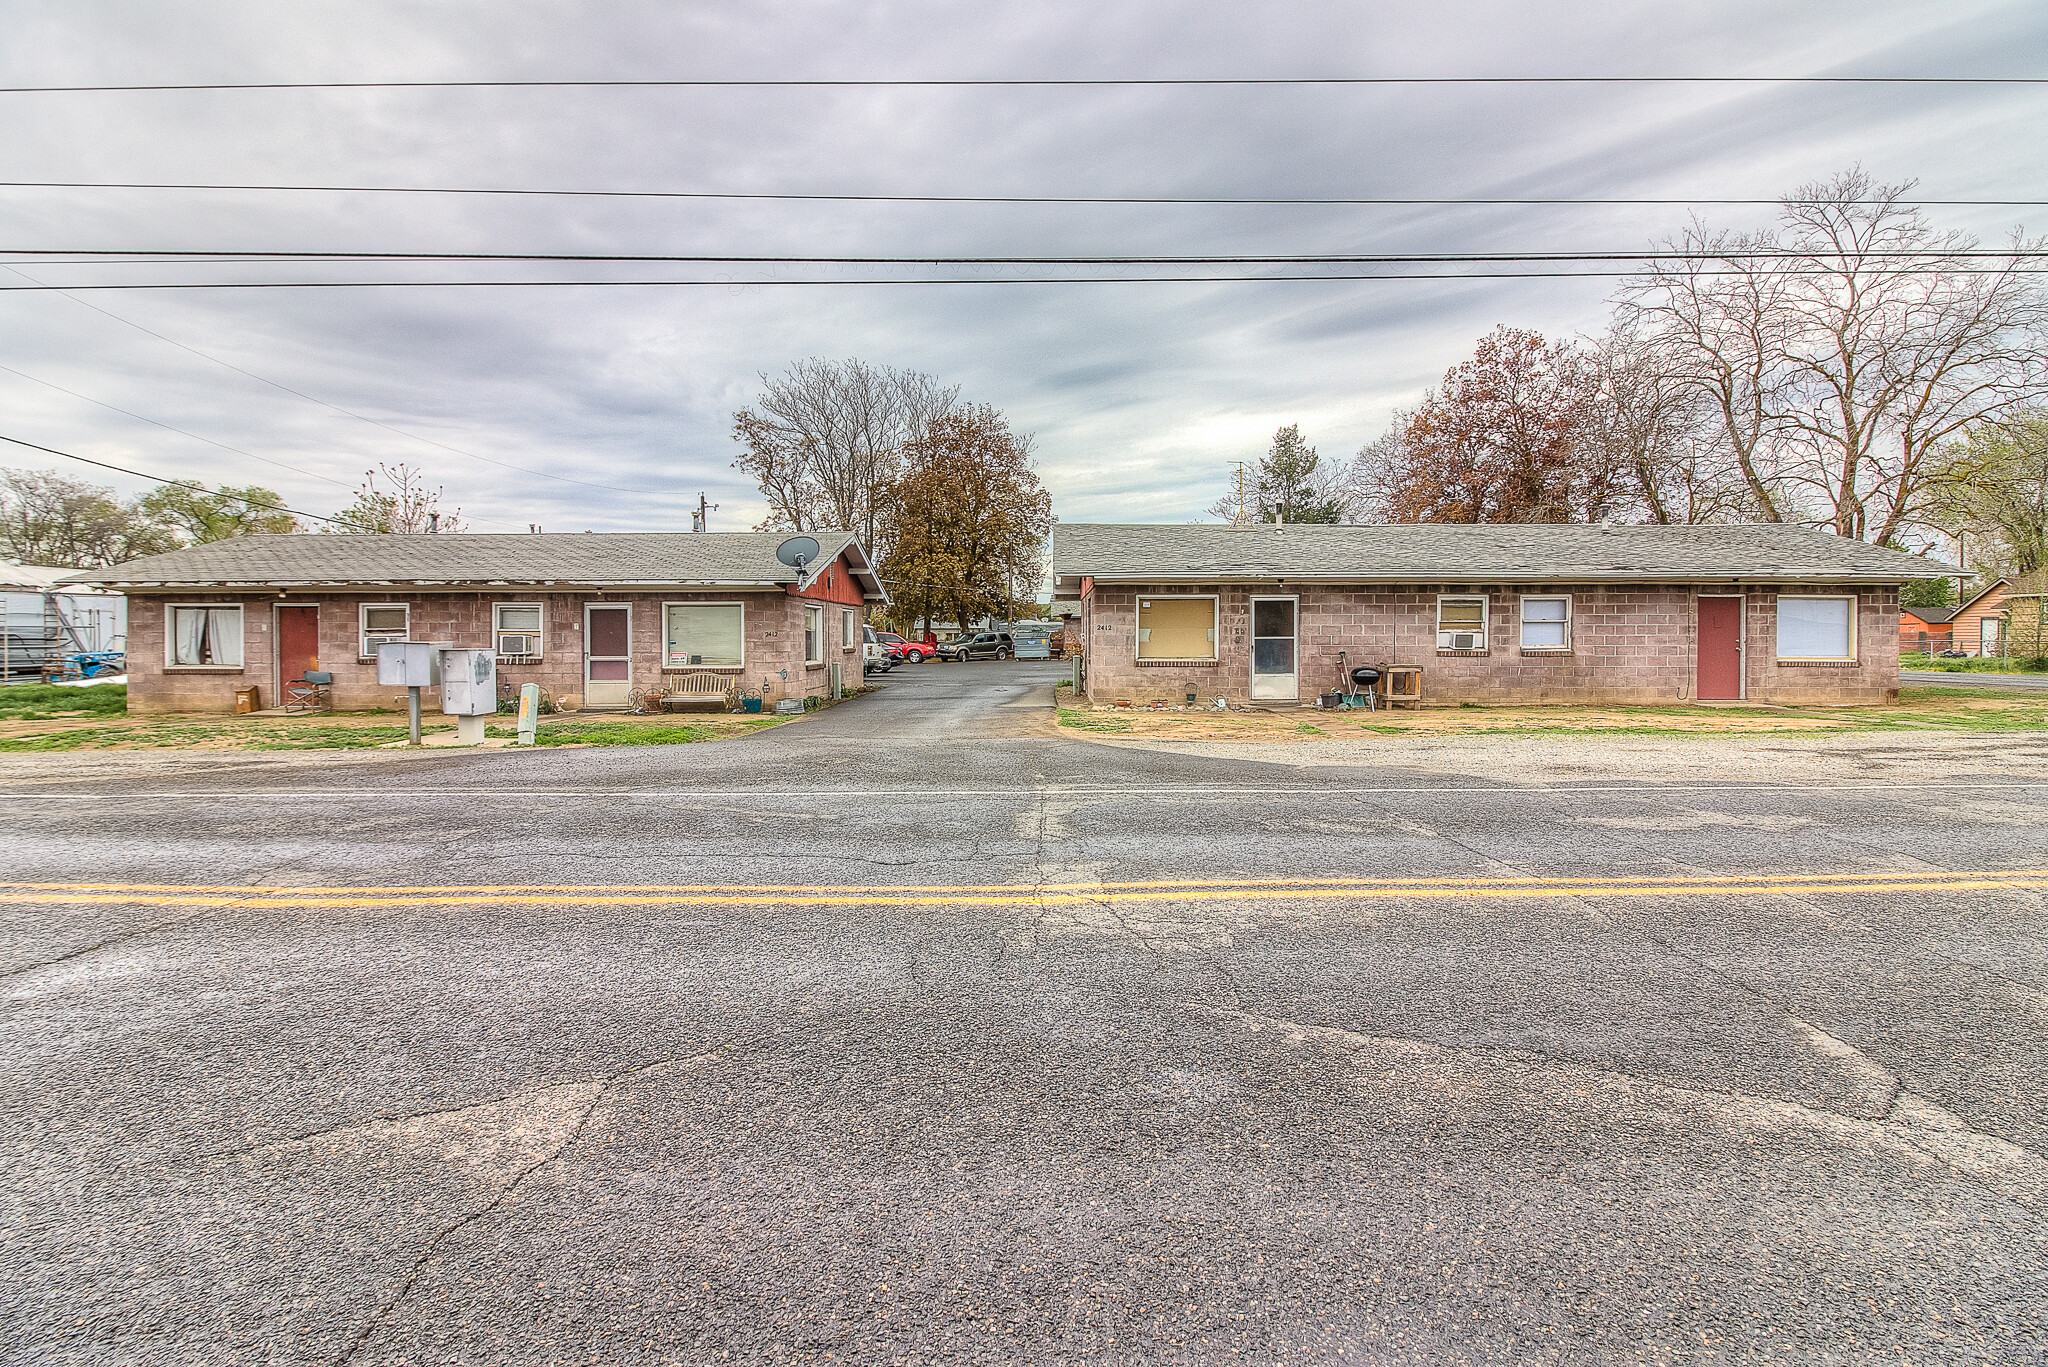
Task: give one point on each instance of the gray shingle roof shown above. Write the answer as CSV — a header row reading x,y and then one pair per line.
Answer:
x,y
1492,553
566,558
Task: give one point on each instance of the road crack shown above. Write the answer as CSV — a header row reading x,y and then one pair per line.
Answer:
x,y
606,1085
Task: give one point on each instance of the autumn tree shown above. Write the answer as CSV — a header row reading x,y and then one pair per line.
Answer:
x,y
1509,436
825,437
201,516
401,505
49,519
965,520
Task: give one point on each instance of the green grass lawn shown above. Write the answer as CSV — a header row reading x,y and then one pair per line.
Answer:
x,y
657,731
44,702
1973,664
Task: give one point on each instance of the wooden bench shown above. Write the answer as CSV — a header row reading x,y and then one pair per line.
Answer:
x,y
1401,683
720,691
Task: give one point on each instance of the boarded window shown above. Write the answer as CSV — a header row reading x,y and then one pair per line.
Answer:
x,y
1176,628
710,635
1816,628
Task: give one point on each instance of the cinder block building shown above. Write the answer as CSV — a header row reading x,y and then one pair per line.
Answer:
x,y
1276,615
589,616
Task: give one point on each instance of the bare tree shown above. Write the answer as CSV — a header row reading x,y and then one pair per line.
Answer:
x,y
403,506
1712,322
1661,432
1840,352
825,436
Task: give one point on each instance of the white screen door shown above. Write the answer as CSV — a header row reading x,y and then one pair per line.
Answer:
x,y
1274,674
607,655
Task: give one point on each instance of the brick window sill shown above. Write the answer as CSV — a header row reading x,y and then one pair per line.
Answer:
x,y
1539,654
1463,654
205,669
1817,664
1179,664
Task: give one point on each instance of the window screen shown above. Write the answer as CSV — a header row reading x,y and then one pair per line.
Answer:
x,y
1461,624
383,622
712,635
517,629
1176,628
847,631
1546,623
814,635
1815,628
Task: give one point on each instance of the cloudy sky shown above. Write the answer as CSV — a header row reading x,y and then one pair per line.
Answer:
x,y
609,408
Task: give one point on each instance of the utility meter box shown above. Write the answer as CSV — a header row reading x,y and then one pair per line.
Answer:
x,y
469,683
408,664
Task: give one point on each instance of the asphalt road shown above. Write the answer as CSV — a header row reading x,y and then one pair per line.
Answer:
x,y
1971,679
918,1031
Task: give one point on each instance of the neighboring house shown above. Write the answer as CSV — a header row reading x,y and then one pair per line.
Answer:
x,y
1489,613
41,623
589,616
1925,629
1976,626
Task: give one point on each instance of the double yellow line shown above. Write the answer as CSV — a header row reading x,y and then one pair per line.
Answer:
x,y
1013,894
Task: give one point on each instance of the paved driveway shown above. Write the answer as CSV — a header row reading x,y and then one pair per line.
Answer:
x,y
919,1032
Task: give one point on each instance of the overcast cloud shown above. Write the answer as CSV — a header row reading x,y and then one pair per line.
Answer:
x,y
1139,395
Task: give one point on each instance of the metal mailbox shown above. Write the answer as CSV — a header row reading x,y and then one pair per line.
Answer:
x,y
408,664
469,683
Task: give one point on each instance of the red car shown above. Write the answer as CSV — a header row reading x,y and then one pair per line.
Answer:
x,y
916,652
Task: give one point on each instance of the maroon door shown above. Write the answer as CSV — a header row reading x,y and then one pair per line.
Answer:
x,y
298,643
1720,662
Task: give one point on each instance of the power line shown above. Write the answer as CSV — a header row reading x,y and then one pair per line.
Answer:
x,y
149,255
811,197
1020,83
1325,278
300,394
87,398
177,483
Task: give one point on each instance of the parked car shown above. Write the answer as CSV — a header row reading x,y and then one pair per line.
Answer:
x,y
913,651
874,656
983,645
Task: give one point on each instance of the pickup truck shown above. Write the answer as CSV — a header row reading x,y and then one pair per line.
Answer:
x,y
875,657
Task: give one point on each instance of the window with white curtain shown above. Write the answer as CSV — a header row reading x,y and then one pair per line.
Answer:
x,y
849,632
207,634
1816,628
1547,622
814,636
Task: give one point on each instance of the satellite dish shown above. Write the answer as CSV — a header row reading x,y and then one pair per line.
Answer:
x,y
798,551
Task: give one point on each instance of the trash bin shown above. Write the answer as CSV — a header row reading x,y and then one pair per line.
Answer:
x,y
245,699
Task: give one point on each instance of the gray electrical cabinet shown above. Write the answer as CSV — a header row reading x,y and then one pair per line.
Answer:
x,y
408,664
469,683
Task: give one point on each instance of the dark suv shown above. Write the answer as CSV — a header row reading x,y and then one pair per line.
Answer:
x,y
983,645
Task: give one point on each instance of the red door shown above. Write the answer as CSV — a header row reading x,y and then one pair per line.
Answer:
x,y
1720,661
298,643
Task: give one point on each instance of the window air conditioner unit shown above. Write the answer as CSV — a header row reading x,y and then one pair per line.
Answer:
x,y
518,645
373,639
1458,640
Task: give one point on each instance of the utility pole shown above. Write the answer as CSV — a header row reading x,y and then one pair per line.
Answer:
x,y
700,519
